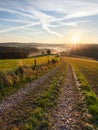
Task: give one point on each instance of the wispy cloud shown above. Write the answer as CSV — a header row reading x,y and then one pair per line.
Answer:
x,y
43,19
79,15
72,24
15,20
19,27
45,26
39,11
17,12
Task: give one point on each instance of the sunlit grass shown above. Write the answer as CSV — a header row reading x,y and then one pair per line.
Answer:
x,y
89,68
12,64
87,72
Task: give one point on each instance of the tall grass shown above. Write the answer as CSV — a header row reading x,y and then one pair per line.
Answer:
x,y
12,64
10,81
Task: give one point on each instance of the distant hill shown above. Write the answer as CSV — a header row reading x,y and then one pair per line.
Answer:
x,y
13,49
16,52
85,50
23,50
32,49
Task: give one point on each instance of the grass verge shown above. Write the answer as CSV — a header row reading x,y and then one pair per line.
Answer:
x,y
44,104
90,97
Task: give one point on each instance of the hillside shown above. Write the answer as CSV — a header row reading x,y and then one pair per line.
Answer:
x,y
23,50
90,51
16,52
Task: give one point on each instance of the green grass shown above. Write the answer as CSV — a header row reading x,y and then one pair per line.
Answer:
x,y
90,68
90,97
13,79
12,64
45,103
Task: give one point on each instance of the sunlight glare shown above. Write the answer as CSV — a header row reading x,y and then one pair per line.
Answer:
x,y
75,39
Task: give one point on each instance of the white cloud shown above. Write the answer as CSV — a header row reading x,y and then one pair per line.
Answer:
x,y
80,14
45,26
72,24
15,20
19,27
17,12
69,8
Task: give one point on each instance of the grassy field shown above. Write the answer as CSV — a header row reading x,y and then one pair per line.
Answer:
x,y
87,73
14,73
12,64
89,68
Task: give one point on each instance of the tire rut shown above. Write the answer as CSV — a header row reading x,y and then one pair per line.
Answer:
x,y
71,112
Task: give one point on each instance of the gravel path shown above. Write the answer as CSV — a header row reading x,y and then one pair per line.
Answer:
x,y
71,112
20,102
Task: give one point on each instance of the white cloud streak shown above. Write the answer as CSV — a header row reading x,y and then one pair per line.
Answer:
x,y
19,27
14,20
70,9
45,26
17,12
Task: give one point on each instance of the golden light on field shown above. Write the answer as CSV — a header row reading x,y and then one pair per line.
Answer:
x,y
75,39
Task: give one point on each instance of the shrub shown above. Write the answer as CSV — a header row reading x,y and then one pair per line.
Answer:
x,y
53,61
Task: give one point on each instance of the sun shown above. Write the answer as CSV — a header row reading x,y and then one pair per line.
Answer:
x,y
75,39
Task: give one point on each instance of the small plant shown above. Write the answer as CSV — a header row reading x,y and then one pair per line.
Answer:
x,y
53,61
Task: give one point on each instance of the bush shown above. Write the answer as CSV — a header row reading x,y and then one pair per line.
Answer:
x,y
53,61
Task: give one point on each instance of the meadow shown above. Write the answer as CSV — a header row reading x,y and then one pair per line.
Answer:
x,y
89,68
12,64
14,73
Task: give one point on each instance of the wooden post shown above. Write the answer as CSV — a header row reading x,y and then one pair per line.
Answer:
x,y
34,62
48,61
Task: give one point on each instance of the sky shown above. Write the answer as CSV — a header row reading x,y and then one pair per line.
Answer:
x,y
49,21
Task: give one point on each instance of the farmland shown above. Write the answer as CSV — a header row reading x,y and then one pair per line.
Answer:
x,y
12,64
87,74
16,72
54,100
89,68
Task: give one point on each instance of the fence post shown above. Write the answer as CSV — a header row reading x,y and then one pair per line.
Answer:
x,y
48,61
34,62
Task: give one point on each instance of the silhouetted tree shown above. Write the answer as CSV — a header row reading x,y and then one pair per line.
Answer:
x,y
43,53
48,51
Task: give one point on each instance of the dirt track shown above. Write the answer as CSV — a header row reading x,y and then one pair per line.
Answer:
x,y
71,112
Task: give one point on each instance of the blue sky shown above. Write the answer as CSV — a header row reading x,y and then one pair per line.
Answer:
x,y
49,21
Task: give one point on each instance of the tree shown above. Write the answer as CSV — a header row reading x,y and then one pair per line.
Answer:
x,y
43,53
48,51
